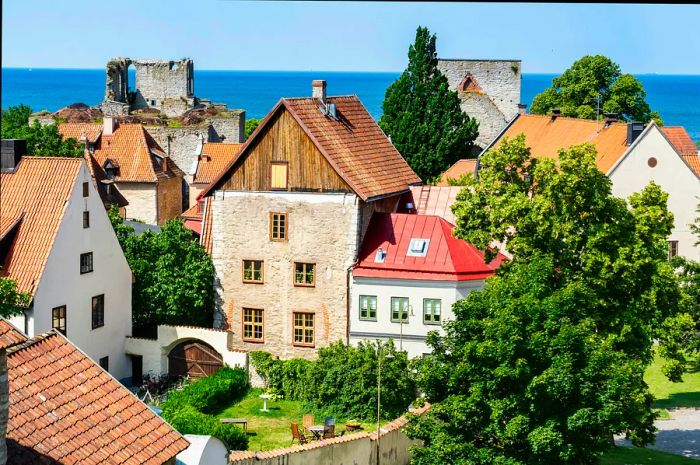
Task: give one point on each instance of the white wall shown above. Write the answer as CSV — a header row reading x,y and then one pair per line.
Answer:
x,y
62,284
633,173
415,331
142,201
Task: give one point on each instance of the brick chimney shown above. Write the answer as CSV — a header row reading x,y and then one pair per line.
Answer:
x,y
556,112
11,154
318,89
109,124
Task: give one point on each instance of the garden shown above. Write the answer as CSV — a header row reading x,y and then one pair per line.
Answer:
x,y
339,387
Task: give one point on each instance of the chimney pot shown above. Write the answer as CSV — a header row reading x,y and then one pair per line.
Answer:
x,y
556,112
318,89
634,129
521,108
109,124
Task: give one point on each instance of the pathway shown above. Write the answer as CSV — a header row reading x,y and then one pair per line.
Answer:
x,y
679,435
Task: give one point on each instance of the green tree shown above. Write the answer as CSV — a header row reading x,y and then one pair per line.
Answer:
x,y
174,277
12,302
547,362
423,117
695,228
576,92
41,140
250,125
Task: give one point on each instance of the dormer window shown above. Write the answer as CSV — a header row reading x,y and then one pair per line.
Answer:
x,y
110,168
418,247
380,256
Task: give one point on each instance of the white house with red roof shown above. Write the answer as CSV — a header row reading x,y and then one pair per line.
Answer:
x,y
410,271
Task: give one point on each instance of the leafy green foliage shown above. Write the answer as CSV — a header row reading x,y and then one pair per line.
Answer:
x,y
343,380
423,116
250,125
186,410
41,140
547,362
173,277
12,302
576,92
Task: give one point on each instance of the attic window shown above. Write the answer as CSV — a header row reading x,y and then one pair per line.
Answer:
x,y
470,85
418,247
380,256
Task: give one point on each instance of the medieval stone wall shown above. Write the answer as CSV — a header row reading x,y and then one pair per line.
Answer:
x,y
497,95
159,79
182,144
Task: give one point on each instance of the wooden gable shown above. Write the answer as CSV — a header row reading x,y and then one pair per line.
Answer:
x,y
284,140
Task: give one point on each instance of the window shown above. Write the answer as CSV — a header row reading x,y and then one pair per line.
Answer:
x,y
304,329
86,189
368,307
399,309
85,262
304,274
86,220
253,325
98,311
672,249
278,174
104,363
431,311
278,226
253,271
58,319
418,247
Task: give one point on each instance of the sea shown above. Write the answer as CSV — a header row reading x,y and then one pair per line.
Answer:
x,y
675,97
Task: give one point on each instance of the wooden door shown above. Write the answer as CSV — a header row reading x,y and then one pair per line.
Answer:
x,y
194,358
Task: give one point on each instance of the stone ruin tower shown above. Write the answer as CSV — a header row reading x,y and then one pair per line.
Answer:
x,y
165,85
489,90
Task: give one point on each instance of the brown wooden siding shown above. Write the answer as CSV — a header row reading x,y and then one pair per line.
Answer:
x,y
284,140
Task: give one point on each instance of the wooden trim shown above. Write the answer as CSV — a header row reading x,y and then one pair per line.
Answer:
x,y
359,308
304,344
294,274
286,175
391,309
262,271
252,339
433,323
286,226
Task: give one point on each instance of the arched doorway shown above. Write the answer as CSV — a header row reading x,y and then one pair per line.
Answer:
x,y
194,358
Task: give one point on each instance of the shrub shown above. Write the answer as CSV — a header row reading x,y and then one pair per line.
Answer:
x,y
187,420
207,394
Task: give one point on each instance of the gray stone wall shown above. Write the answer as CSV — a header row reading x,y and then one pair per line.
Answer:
x,y
159,79
500,80
181,144
4,405
229,128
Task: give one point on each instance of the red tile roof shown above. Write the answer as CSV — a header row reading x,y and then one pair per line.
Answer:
x,y
215,157
456,171
38,189
684,145
192,218
353,144
546,136
91,131
132,148
9,335
447,258
65,409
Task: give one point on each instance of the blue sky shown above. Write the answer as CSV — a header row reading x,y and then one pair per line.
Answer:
x,y
345,36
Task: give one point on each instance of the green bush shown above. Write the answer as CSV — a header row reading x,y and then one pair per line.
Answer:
x,y
187,410
343,380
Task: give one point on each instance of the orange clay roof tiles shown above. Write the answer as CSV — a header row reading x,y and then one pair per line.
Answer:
x,y
353,144
684,145
39,189
460,168
9,335
65,409
207,236
215,157
546,136
91,131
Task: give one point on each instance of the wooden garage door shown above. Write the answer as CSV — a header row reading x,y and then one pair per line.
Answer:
x,y
194,358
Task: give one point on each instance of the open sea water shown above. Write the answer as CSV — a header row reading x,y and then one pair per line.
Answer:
x,y
675,97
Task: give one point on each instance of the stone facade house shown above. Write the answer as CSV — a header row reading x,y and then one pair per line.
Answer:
x,y
409,273
65,409
285,219
489,91
58,244
148,179
631,155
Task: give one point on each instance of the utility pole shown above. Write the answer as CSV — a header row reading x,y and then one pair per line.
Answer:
x,y
379,393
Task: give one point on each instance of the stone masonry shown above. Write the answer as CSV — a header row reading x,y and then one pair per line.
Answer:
x,y
322,229
489,91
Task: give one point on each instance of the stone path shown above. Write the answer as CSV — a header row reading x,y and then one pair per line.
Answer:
x,y
678,435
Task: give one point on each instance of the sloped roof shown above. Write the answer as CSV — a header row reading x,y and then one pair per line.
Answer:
x,y
447,258
9,335
38,189
353,144
435,200
114,196
91,131
215,157
132,148
192,218
206,238
65,409
684,145
546,136
460,168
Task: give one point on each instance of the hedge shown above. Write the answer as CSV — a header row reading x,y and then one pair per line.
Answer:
x,y
187,410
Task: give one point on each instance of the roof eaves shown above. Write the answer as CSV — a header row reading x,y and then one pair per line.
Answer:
x,y
675,149
634,144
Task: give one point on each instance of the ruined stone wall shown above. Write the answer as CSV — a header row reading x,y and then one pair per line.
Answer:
x,y
157,80
500,80
117,82
229,128
181,144
322,229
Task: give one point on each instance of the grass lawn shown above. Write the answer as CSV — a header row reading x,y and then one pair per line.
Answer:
x,y
270,430
641,456
671,395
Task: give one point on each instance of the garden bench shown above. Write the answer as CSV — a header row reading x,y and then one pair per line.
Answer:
x,y
236,421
